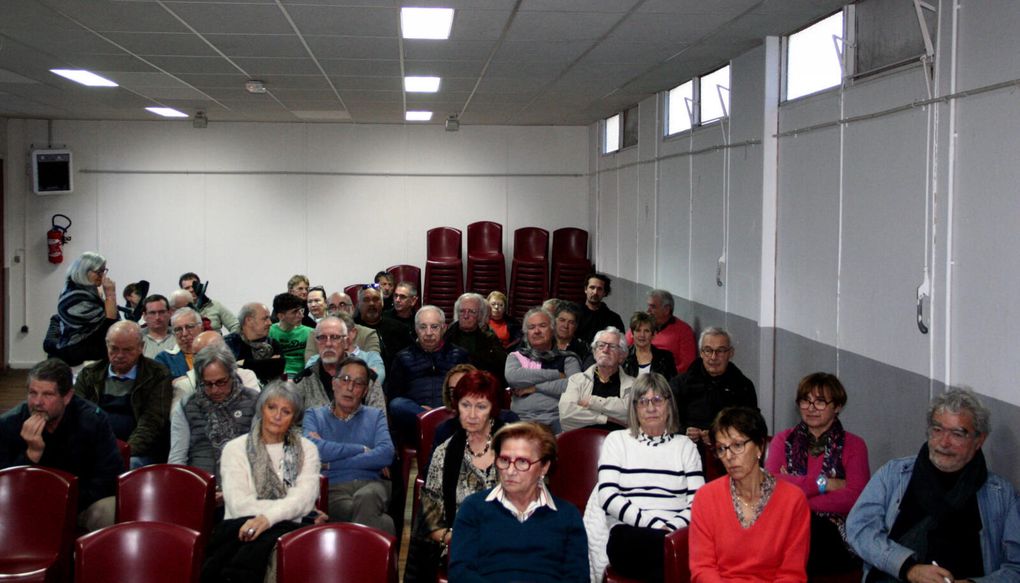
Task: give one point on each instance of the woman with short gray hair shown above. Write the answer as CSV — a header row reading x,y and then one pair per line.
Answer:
x,y
78,331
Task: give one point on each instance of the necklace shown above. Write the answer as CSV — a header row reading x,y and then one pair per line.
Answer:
x,y
488,444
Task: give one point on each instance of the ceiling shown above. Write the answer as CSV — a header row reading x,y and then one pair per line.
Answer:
x,y
519,62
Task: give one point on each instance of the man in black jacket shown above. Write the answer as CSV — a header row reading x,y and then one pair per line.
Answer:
x,y
56,429
710,385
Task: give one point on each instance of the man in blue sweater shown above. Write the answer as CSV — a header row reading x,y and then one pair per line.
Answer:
x,y
354,446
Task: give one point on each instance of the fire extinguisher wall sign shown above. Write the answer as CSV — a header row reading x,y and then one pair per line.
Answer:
x,y
56,237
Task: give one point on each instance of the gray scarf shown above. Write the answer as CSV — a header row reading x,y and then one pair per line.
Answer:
x,y
267,484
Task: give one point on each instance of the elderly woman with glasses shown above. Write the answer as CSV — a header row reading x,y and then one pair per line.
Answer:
x,y
828,464
518,531
747,526
222,409
648,474
78,331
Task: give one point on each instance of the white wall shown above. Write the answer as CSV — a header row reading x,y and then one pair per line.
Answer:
x,y
248,205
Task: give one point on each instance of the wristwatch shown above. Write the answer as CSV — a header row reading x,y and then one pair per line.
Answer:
x,y
822,482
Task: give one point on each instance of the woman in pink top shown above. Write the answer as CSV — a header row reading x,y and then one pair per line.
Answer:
x,y
828,464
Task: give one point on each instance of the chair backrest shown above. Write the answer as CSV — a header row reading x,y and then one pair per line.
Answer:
x,y
334,552
443,244
171,493
531,244
485,238
406,273
352,291
676,566
570,244
322,502
428,421
577,465
139,552
38,515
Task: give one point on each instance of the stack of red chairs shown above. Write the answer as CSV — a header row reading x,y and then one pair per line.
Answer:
x,y
486,268
444,269
529,276
570,264
406,273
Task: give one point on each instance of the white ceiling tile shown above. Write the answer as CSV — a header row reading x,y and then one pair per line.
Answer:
x,y
557,26
368,84
346,21
111,16
465,50
341,47
193,65
357,67
258,45
542,52
261,67
443,69
471,24
616,6
234,18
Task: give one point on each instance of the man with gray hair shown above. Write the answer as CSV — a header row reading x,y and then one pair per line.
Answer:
x,y
252,343
470,331
598,396
134,391
671,333
710,385
186,324
940,515
315,382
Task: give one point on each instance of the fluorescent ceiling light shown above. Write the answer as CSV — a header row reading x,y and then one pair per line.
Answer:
x,y
84,77
166,111
421,84
434,23
418,116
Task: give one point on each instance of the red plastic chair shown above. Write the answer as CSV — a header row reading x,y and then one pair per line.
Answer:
x,y
428,422
352,291
486,269
577,465
335,552
570,245
139,552
443,244
529,273
177,494
322,502
531,244
570,263
406,273
444,270
38,517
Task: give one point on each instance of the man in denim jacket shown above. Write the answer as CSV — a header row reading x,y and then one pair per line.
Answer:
x,y
940,516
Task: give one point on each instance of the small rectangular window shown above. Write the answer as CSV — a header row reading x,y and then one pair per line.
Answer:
x,y
630,127
814,57
611,135
715,95
679,108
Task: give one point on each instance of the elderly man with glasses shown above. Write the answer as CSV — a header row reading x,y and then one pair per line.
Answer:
x,y
940,515
598,397
470,331
186,324
332,340
711,384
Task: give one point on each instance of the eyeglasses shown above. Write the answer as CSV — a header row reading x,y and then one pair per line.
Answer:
x,y
708,352
348,379
736,448
816,404
653,403
370,286
606,346
102,270
216,384
330,337
522,464
957,436
188,327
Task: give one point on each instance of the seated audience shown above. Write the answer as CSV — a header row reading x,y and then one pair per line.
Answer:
x,y
340,302
461,465
393,336
468,331
371,357
354,447
289,333
538,372
502,324
270,483
711,384
185,386
405,304
448,427
643,356
518,531
316,382
648,474
828,464
180,298
298,285
316,304
204,421
186,325
599,396
747,526
55,428
157,326
671,333
78,331
565,324
216,313
595,314
940,515
252,342
366,339
416,376
133,391
386,284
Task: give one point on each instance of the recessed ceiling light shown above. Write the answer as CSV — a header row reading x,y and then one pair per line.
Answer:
x,y
418,116
434,23
421,84
166,111
84,77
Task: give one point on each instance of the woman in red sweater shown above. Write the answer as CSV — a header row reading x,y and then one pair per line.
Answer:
x,y
828,464
747,527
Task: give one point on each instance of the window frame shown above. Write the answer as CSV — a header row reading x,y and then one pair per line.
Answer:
x,y
847,13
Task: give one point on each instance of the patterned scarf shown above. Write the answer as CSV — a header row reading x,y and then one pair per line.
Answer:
x,y
267,484
220,421
801,442
654,441
260,349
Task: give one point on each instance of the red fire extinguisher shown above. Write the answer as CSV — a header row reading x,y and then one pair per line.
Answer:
x,y
56,237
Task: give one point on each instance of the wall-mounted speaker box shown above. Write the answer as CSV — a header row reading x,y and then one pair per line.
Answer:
x,y
52,172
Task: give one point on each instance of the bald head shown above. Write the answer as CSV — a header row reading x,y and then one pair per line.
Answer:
x,y
179,299
124,346
207,338
339,302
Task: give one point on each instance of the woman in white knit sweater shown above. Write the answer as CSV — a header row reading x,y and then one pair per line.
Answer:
x,y
647,478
